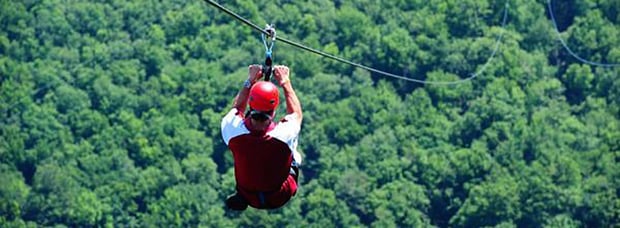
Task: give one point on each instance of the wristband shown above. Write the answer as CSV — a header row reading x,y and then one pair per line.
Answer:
x,y
284,82
247,83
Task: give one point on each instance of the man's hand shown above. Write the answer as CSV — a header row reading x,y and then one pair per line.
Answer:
x,y
255,73
293,107
281,74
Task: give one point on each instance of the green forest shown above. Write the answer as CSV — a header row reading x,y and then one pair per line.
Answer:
x,y
111,110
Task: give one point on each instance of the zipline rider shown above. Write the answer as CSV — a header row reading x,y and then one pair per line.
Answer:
x,y
264,151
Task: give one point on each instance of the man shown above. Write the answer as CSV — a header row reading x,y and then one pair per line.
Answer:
x,y
264,152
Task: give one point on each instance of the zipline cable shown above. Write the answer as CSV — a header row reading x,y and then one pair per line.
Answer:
x,y
265,32
44,87
472,76
555,25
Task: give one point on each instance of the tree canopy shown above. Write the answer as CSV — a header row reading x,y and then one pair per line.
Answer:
x,y
110,112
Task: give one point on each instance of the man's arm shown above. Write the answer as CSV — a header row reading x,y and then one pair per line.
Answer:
x,y
241,100
293,106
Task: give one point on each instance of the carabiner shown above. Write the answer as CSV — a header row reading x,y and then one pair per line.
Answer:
x,y
271,31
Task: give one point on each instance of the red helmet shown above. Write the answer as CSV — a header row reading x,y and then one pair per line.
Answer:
x,y
264,96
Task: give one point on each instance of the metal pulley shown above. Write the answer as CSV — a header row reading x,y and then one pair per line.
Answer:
x,y
269,39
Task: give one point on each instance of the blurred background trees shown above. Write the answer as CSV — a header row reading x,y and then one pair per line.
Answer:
x,y
111,110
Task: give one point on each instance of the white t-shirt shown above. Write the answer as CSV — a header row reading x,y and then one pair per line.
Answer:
x,y
287,130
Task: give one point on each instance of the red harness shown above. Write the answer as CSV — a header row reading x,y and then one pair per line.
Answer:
x,y
263,168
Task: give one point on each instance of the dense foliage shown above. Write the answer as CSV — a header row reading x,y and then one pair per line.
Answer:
x,y
110,113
